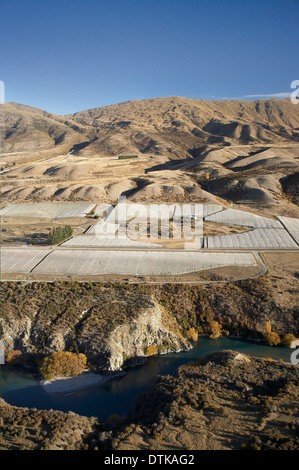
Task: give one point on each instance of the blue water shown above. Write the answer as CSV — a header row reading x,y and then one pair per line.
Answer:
x,y
117,396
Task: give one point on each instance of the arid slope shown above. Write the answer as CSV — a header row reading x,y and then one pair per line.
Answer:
x,y
248,149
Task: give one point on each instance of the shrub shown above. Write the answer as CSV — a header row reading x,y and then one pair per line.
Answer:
x,y
59,234
14,357
215,331
288,339
125,157
192,334
64,364
151,350
272,338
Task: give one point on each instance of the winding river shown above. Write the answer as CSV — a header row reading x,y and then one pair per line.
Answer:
x,y
20,388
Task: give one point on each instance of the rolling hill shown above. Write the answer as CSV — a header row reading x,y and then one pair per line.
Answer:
x,y
244,152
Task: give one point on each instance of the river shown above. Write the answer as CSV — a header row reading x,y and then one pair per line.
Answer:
x,y
20,388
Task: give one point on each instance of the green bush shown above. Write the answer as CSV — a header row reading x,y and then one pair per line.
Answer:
x,y
126,157
59,234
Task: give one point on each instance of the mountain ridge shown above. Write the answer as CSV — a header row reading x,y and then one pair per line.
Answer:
x,y
202,121
249,149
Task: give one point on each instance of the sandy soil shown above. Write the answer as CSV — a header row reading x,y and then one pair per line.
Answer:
x,y
20,231
285,265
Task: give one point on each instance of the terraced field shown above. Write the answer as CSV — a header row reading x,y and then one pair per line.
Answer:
x,y
95,252
47,210
92,262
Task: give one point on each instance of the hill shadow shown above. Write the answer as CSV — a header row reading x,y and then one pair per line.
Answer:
x,y
170,165
140,184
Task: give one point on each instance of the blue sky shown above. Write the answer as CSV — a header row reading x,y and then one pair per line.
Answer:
x,y
68,55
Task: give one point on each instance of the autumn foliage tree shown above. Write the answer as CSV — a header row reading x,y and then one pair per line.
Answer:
x,y
151,350
271,337
62,363
215,330
14,357
192,334
288,339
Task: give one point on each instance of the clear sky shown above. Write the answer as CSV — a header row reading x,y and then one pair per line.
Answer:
x,y
68,55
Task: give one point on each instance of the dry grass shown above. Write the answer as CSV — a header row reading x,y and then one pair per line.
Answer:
x,y
247,148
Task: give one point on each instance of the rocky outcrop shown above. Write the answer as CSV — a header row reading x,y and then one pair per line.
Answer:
x,y
107,341
117,325
27,336
16,334
131,339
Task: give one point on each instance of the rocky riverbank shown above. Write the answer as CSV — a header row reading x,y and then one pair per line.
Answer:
x,y
111,326
118,325
225,401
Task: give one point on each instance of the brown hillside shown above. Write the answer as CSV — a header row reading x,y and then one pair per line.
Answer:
x,y
249,149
